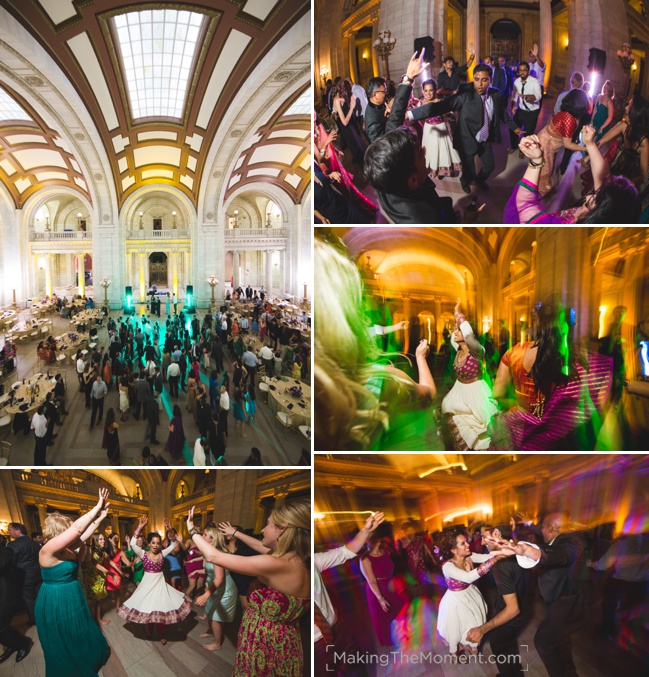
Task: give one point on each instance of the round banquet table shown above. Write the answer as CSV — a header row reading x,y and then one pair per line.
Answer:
x,y
279,399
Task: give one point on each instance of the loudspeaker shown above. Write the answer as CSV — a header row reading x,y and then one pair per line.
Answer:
x,y
189,290
428,44
596,60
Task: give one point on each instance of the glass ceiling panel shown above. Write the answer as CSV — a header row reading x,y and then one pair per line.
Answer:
x,y
302,105
157,49
10,109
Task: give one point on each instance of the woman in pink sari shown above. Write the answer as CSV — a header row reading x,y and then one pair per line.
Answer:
x,y
327,156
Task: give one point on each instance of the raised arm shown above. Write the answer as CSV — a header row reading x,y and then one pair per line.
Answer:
x,y
450,570
228,530
598,165
92,527
361,537
73,532
426,386
134,546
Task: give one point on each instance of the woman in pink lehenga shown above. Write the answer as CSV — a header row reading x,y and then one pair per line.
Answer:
x,y
327,156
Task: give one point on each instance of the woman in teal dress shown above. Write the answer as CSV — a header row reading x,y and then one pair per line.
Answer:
x,y
604,110
72,642
220,596
269,638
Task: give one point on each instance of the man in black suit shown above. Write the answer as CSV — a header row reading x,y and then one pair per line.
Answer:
x,y
562,570
513,609
26,566
480,110
509,78
376,122
499,78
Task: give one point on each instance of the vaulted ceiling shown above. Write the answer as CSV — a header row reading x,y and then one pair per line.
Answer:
x,y
158,80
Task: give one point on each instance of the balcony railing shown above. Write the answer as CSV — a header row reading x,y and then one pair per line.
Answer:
x,y
67,235
244,233
171,234
81,487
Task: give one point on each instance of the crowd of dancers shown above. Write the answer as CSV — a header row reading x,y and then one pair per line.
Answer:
x,y
268,577
469,586
212,361
400,143
544,393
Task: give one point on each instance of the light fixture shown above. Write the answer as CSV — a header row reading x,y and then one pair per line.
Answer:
x,y
141,214
174,220
212,280
236,219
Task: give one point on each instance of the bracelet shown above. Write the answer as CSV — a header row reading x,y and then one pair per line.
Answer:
x,y
194,531
234,532
541,164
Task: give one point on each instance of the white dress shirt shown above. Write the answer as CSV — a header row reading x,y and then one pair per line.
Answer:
x,y
529,86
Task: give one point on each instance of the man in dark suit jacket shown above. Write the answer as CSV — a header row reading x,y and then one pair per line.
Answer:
x,y
562,570
480,111
26,566
499,78
376,122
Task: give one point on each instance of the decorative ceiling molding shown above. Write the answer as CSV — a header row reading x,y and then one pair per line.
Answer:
x,y
80,37
281,154
33,156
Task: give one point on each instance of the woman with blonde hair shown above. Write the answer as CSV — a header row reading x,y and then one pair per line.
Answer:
x,y
604,110
269,639
363,403
220,596
72,644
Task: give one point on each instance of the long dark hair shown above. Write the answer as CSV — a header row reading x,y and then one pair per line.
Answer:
x,y
447,543
638,122
556,360
576,103
616,201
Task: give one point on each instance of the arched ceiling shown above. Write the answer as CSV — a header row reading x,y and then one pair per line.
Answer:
x,y
157,80
31,154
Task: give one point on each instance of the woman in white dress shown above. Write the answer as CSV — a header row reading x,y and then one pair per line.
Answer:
x,y
462,607
154,601
441,158
469,406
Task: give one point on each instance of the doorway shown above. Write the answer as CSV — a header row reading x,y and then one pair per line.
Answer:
x,y
505,37
158,267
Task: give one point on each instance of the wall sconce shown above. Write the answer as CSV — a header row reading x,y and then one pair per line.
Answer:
x,y
4,525
324,74
567,42
236,219
364,56
141,214
634,67
47,224
173,225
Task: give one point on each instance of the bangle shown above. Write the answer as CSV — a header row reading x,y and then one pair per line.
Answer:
x,y
541,164
194,531
234,533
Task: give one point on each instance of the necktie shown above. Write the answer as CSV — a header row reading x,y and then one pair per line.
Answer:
x,y
523,97
484,130
323,625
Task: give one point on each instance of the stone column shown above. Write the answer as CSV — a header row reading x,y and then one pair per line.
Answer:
x,y
472,32
375,58
236,269
42,513
174,273
406,316
545,45
169,275
351,47
269,271
48,274
81,258
644,85
439,327
147,276
281,283
114,523
141,282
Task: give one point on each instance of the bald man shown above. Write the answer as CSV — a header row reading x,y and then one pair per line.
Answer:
x,y
561,565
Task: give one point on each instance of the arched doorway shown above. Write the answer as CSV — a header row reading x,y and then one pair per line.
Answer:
x,y
505,37
158,263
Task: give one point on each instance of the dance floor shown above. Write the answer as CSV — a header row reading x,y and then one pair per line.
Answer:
x,y
77,445
594,655
134,655
509,170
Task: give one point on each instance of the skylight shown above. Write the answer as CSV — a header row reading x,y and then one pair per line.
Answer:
x,y
11,109
157,48
302,105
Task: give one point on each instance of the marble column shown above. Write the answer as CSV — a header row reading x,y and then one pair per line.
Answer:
x,y
351,46
236,269
439,328
169,272
48,275
42,513
281,283
269,271
545,45
114,523
147,276
472,32
141,282
81,259
375,58
174,273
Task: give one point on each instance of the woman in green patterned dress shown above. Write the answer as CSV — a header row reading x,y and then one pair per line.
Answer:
x,y
94,576
72,644
269,638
